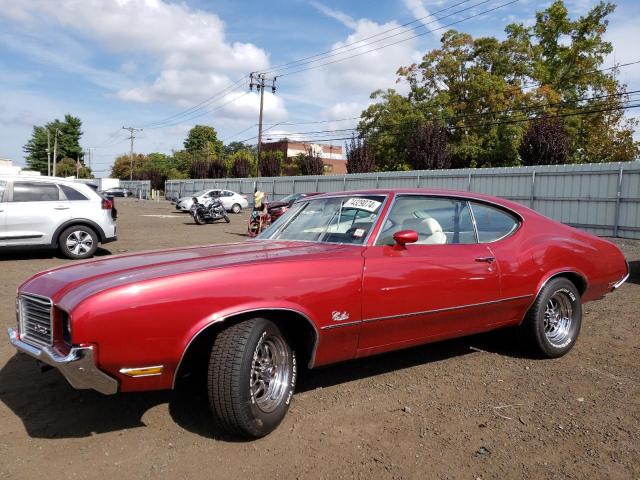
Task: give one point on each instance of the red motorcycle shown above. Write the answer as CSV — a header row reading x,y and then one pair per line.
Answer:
x,y
259,220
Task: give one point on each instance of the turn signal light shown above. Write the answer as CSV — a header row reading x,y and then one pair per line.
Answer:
x,y
143,371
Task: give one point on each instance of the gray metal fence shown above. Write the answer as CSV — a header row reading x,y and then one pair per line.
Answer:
x,y
140,188
601,198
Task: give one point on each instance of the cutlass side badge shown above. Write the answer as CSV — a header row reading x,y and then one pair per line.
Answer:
x,y
339,316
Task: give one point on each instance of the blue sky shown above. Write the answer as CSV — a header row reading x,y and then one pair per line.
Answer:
x,y
140,62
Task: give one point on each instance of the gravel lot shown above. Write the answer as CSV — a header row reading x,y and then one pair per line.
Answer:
x,y
470,408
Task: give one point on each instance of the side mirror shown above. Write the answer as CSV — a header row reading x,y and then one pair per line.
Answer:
x,y
403,237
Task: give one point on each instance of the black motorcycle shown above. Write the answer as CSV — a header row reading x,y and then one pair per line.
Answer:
x,y
208,212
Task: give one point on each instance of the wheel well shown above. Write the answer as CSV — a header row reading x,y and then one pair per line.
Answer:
x,y
575,278
298,329
55,240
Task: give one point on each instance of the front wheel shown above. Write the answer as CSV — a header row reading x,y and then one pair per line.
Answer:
x,y
252,376
552,325
198,218
227,219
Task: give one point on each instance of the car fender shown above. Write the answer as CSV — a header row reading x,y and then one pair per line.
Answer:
x,y
77,221
223,315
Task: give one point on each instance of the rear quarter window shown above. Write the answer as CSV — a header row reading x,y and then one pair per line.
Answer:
x,y
72,194
492,223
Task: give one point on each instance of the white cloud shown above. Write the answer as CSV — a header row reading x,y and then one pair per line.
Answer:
x,y
188,45
338,15
421,13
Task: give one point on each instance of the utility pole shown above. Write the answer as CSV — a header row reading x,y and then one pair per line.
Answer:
x,y
260,81
55,150
132,136
48,153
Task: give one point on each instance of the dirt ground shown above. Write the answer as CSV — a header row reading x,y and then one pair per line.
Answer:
x,y
470,408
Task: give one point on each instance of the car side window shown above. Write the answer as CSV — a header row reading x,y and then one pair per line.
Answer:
x,y
492,223
437,221
72,194
35,192
3,187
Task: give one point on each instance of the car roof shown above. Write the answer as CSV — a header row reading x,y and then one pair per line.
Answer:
x,y
42,178
501,202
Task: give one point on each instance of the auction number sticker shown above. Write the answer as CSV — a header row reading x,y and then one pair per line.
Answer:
x,y
363,204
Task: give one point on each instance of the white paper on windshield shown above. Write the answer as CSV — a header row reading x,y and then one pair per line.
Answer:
x,y
362,204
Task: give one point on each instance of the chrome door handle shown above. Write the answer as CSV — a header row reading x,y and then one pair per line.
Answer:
x,y
486,259
61,208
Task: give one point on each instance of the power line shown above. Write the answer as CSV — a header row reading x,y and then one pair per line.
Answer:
x,y
206,112
396,42
199,106
459,117
360,44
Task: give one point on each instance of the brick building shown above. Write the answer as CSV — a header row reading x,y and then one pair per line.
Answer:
x,y
332,155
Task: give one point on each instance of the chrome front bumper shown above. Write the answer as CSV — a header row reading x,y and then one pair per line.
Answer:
x,y
78,366
619,283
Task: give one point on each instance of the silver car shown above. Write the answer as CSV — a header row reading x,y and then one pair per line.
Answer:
x,y
232,201
56,213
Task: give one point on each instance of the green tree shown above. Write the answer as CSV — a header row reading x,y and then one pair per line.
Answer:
x,y
242,164
310,163
69,133
485,92
203,139
121,167
270,163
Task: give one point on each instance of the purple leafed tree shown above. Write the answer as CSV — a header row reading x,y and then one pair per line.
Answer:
x,y
310,163
427,148
359,156
546,142
270,164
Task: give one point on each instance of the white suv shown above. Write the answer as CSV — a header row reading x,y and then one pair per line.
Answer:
x,y
56,213
231,201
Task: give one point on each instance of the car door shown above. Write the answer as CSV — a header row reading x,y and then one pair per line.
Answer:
x,y
34,210
442,286
3,213
226,198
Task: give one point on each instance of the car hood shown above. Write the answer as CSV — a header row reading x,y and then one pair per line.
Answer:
x,y
277,204
69,285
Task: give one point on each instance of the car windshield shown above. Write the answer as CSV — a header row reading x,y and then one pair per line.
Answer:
x,y
290,198
347,219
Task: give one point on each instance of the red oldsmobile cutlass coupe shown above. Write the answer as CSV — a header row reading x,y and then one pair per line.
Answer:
x,y
338,276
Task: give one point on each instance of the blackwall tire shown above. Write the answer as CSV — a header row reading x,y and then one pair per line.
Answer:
x,y
198,218
78,242
552,325
236,208
251,378
227,219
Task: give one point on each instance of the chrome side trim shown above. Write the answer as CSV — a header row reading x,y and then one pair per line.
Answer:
x,y
78,366
338,325
242,312
619,283
447,309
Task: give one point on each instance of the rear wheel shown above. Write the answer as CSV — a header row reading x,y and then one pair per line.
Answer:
x,y
252,376
78,242
227,219
236,208
553,323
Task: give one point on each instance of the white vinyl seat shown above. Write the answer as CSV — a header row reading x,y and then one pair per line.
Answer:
x,y
429,230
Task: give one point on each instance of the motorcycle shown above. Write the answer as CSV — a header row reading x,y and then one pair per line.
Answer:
x,y
209,211
258,221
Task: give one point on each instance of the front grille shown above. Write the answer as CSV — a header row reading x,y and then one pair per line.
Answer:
x,y
36,324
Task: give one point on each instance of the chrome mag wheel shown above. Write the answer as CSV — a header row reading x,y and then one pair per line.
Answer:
x,y
270,374
79,242
558,317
